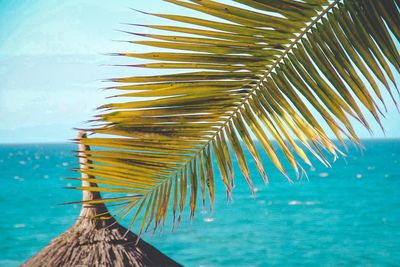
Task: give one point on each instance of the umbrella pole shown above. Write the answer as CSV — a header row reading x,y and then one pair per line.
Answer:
x,y
89,211
87,195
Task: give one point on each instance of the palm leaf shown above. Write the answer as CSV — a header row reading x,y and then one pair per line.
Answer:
x,y
253,74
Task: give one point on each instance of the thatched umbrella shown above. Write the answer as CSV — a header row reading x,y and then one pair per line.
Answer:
x,y
97,242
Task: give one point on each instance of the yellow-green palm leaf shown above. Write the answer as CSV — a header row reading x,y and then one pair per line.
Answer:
x,y
254,74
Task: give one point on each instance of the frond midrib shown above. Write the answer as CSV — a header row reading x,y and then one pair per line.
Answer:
x,y
254,89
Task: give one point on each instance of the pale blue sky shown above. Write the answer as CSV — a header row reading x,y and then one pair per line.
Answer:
x,y
51,55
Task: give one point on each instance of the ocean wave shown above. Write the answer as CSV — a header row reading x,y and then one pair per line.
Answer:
x,y
305,203
323,174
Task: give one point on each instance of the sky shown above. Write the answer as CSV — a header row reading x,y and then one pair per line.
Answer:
x,y
52,63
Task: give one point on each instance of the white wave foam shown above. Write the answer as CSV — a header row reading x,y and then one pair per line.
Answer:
x,y
323,174
305,203
209,219
311,203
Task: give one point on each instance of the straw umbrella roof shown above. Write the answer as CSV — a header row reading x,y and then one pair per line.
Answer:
x,y
98,242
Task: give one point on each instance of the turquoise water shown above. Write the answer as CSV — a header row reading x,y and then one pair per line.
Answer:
x,y
348,215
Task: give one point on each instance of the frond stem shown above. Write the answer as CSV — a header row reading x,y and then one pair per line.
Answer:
x,y
262,79
276,63
256,87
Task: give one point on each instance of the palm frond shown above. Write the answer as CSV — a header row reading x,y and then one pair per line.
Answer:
x,y
252,74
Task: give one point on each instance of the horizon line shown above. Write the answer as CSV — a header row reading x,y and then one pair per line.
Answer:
x,y
273,140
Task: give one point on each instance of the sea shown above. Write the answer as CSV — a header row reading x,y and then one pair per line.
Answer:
x,y
344,215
